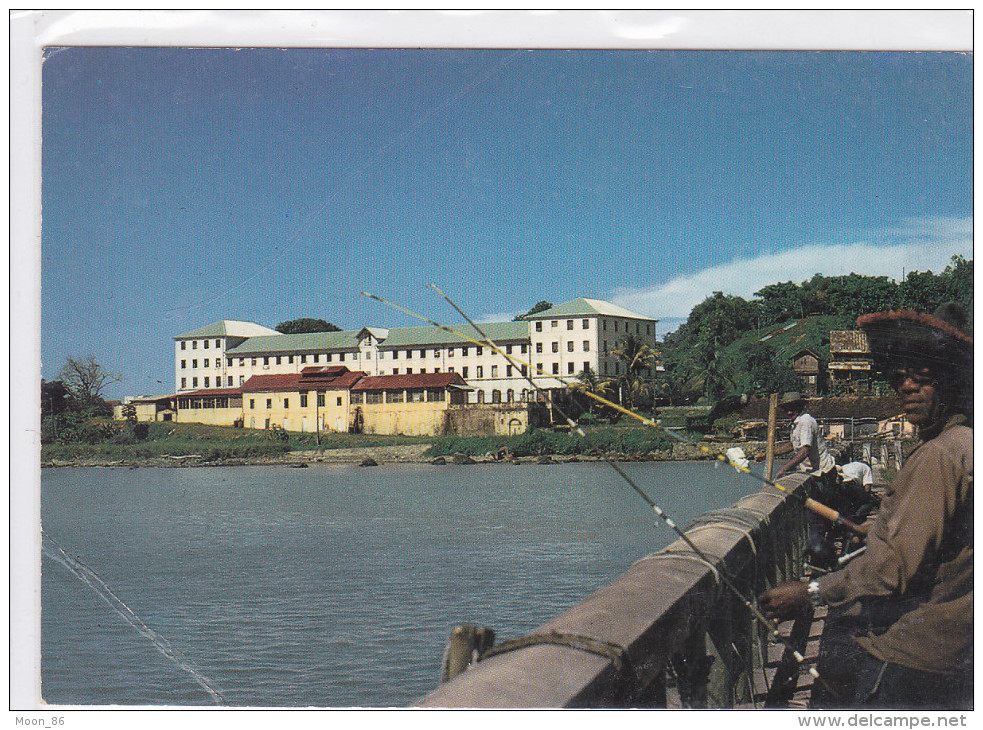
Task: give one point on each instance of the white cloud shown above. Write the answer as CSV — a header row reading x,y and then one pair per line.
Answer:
x,y
916,245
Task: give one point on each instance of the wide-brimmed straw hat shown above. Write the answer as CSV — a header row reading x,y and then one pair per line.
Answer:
x,y
907,339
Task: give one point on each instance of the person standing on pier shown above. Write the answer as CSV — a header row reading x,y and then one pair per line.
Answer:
x,y
810,454
908,601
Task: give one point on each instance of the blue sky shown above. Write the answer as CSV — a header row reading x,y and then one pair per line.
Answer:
x,y
185,186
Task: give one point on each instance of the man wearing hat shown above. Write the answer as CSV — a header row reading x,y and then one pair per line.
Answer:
x,y
810,454
910,596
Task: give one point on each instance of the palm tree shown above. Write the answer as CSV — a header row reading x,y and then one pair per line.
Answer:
x,y
639,359
589,382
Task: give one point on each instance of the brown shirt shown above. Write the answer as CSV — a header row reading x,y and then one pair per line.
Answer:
x,y
917,572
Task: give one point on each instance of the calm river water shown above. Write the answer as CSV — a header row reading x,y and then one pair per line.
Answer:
x,y
333,586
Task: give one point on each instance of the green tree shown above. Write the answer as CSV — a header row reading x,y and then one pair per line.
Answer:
x,y
540,306
305,324
639,360
589,381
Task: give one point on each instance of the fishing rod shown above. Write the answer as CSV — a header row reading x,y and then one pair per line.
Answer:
x,y
809,503
770,625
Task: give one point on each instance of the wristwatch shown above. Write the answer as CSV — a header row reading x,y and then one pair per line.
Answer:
x,y
814,598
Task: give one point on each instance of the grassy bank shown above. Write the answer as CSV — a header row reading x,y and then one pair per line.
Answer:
x,y
537,442
211,443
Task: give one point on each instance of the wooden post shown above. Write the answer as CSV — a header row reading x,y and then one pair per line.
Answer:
x,y
770,453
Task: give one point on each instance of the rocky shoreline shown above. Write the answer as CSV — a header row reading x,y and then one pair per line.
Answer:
x,y
414,454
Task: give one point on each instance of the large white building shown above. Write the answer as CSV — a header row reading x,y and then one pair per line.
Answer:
x,y
559,343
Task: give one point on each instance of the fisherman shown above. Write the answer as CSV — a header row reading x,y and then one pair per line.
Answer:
x,y
909,597
811,455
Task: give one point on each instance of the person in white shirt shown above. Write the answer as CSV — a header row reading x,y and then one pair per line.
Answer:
x,y
811,455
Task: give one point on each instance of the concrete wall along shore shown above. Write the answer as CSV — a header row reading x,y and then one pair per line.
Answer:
x,y
669,608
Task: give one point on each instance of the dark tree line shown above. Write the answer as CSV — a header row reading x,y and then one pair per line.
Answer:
x,y
699,363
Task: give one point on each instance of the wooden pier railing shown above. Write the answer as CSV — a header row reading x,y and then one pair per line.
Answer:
x,y
666,626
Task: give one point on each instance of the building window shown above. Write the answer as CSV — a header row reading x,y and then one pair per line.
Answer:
x,y
494,371
183,343
242,379
436,353
286,403
303,400
423,370
206,344
523,370
242,361
586,324
218,344
317,357
415,396
339,400
290,359
481,396
373,397
539,347
194,344
523,349
269,402
394,396
252,403
479,350
570,368
569,324
228,361
395,371
183,364
464,373
508,371
508,349
356,398
450,352
586,345
303,359
206,362
423,353
409,371
435,396
616,325
556,368
570,346
266,362
278,360
464,352
194,382
479,371
194,363
253,362
556,346
320,399
509,395
554,324
496,396
184,382
539,326
450,370
228,381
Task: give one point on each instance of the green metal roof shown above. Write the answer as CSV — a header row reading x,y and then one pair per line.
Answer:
x,y
397,337
584,307
304,342
423,336
228,328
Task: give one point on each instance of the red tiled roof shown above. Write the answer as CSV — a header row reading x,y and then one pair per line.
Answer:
x,y
290,382
408,382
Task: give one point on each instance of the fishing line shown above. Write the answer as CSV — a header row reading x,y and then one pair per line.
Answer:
x,y
90,578
808,502
770,625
